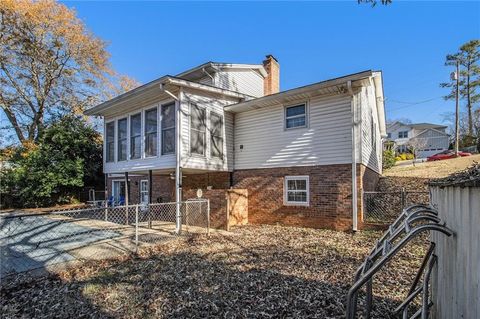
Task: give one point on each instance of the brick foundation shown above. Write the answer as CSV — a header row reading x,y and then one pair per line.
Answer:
x,y
330,194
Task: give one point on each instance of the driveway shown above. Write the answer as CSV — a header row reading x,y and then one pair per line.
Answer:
x,y
52,241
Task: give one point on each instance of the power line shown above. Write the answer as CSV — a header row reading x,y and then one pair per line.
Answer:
x,y
408,104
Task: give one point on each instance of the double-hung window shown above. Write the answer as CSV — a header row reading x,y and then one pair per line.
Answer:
x,y
296,190
135,135
296,116
168,128
216,135
198,130
151,132
110,142
403,134
122,139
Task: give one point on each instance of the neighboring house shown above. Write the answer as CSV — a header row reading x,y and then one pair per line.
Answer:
x,y
299,152
431,138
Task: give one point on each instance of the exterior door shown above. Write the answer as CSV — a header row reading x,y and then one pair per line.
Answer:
x,y
144,192
118,192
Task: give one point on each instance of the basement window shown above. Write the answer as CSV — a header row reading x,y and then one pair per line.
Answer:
x,y
296,116
296,190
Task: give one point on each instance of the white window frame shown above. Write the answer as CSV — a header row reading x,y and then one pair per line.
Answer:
x,y
162,129
285,118
127,136
114,141
144,137
402,133
207,118
130,136
211,136
285,190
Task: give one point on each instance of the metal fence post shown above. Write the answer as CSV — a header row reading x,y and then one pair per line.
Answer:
x,y
208,217
106,211
136,228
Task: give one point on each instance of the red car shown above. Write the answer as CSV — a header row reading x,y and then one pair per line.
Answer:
x,y
446,155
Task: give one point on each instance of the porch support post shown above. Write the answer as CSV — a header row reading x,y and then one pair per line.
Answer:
x,y
106,189
150,186
126,198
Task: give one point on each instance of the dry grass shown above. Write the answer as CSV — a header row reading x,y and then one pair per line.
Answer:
x,y
257,272
435,169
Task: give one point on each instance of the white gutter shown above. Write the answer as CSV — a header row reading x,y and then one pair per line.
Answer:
x,y
354,160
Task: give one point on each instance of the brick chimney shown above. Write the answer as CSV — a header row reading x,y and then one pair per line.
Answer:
x,y
271,84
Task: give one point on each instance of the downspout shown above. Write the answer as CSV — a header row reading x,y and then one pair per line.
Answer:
x,y
178,168
354,160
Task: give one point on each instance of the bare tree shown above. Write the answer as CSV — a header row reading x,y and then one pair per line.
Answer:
x,y
50,64
415,145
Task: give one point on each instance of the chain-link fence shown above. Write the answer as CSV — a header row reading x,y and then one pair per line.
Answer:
x,y
385,207
57,239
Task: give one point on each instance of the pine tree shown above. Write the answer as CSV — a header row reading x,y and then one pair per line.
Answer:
x,y
468,57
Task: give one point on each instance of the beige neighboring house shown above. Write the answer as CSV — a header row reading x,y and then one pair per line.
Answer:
x,y
432,138
217,126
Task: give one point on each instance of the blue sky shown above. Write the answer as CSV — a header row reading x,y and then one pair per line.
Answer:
x,y
313,41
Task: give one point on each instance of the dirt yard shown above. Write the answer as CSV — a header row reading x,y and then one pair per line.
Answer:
x,y
256,272
435,169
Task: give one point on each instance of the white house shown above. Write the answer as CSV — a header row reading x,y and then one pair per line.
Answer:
x,y
298,152
429,138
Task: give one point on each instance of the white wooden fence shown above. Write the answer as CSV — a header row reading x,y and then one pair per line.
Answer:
x,y
456,280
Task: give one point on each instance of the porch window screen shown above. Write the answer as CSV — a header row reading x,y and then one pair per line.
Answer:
x,y
216,135
110,142
151,132
296,190
135,135
295,116
168,128
198,130
122,139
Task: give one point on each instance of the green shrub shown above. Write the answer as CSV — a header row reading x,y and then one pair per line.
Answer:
x,y
388,158
67,156
410,156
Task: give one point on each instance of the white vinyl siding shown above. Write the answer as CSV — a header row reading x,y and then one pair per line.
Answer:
x,y
296,190
369,143
326,140
248,82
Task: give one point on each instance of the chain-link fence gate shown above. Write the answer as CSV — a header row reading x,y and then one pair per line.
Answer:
x,y
56,239
384,207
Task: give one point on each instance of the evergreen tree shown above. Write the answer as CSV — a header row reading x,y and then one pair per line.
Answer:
x,y
468,57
